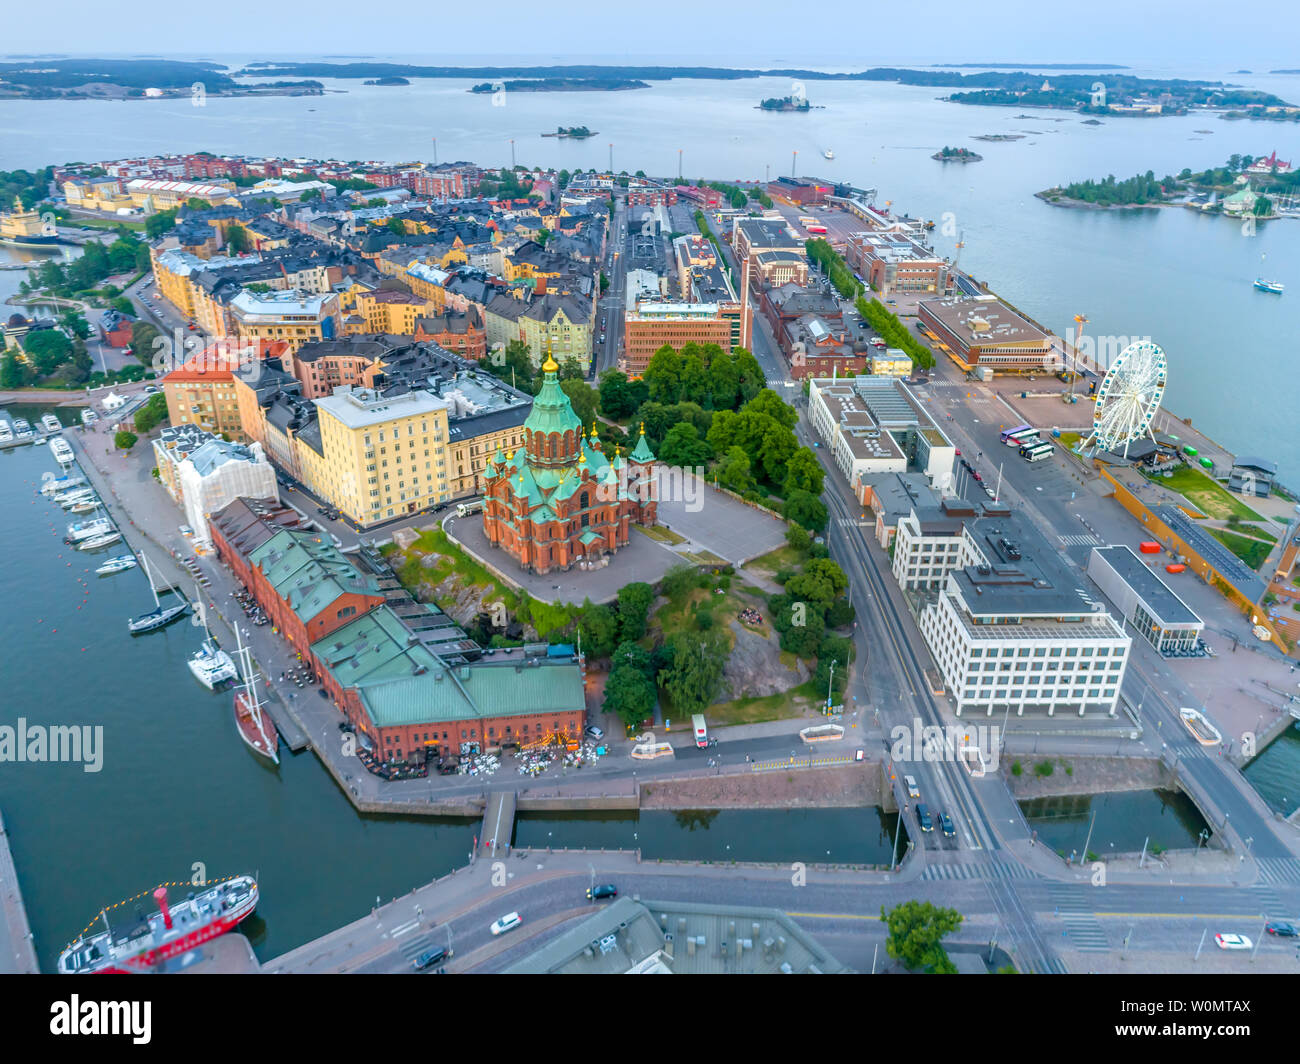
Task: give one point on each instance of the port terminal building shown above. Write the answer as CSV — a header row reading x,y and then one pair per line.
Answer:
x,y
1145,601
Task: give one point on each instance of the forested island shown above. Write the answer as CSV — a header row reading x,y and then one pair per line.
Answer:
x,y
571,132
388,81
957,155
1205,189
130,79
785,103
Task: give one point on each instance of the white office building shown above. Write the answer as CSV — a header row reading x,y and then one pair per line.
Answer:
x,y
1010,626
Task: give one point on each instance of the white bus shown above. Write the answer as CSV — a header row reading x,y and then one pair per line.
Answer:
x,y
1036,452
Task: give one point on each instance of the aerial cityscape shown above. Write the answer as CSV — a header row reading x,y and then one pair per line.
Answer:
x,y
480,514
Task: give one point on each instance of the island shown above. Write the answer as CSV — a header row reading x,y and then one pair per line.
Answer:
x,y
1238,188
998,137
957,155
560,85
391,80
572,133
136,79
785,103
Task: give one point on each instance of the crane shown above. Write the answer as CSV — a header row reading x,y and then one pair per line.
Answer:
x,y
1079,322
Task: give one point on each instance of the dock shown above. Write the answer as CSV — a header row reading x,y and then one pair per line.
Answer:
x,y
498,823
17,949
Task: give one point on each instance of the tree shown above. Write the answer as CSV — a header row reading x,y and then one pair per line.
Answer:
x,y
75,323
599,628
723,382
821,581
13,374
657,419
750,373
694,677
683,447
916,931
48,349
733,472
663,375
237,240
629,694
678,581
571,369
158,224
768,402
152,413
804,508
633,610
803,473
798,537
616,399
835,649
397,226
124,440
627,653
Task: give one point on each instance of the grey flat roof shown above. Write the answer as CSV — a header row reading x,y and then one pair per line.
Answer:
x,y
1167,607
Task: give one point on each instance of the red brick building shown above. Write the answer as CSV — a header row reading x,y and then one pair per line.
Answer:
x,y
559,499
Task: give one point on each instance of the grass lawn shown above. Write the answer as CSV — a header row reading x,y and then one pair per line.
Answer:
x,y
1070,440
102,223
1209,496
781,558
663,535
1251,551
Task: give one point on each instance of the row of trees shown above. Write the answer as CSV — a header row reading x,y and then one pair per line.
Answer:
x,y
885,322
67,279
825,256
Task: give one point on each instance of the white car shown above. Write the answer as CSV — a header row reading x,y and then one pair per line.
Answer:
x,y
910,783
507,923
1232,941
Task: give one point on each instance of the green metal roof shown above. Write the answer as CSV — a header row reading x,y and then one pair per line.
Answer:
x,y
552,411
401,681
642,453
309,572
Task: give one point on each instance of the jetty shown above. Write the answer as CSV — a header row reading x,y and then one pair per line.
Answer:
x,y
17,950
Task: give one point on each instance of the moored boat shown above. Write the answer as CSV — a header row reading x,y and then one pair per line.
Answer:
x,y
134,942
211,665
116,565
50,423
54,484
255,727
62,451
97,542
158,617
79,530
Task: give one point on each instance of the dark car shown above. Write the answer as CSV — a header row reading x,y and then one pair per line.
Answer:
x,y
446,768
945,822
430,958
923,818
606,890
1282,930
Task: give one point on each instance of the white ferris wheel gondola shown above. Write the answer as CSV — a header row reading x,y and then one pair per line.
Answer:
x,y
1128,398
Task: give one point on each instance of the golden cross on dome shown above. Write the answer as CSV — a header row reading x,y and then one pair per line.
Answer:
x,y
549,365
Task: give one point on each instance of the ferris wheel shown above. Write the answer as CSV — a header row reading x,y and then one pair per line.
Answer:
x,y
1128,398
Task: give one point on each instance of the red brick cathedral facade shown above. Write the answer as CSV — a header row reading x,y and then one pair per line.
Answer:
x,y
560,499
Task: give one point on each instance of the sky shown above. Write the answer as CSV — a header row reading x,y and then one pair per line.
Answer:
x,y
835,33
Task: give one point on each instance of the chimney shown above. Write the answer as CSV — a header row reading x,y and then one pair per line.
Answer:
x,y
160,896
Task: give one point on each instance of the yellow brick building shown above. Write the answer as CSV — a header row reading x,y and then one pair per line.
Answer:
x,y
377,457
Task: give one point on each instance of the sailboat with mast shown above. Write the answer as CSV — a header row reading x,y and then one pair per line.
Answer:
x,y
255,727
211,666
158,617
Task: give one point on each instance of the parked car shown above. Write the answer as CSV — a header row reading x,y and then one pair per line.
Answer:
x,y
945,823
507,923
605,890
431,957
977,477
1282,930
910,783
595,732
1232,941
187,532
923,817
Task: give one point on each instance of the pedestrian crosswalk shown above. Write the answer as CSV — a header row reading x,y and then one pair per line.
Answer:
x,y
1080,539
1279,869
1082,929
990,870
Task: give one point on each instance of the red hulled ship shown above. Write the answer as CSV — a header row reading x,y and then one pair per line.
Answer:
x,y
137,942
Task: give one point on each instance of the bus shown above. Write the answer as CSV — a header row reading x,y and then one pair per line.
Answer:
x,y
818,229
1036,452
1027,439
1008,435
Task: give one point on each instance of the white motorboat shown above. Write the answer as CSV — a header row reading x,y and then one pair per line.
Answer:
x,y
50,423
88,416
6,433
72,498
79,530
96,542
117,565
22,428
53,484
61,450
89,506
